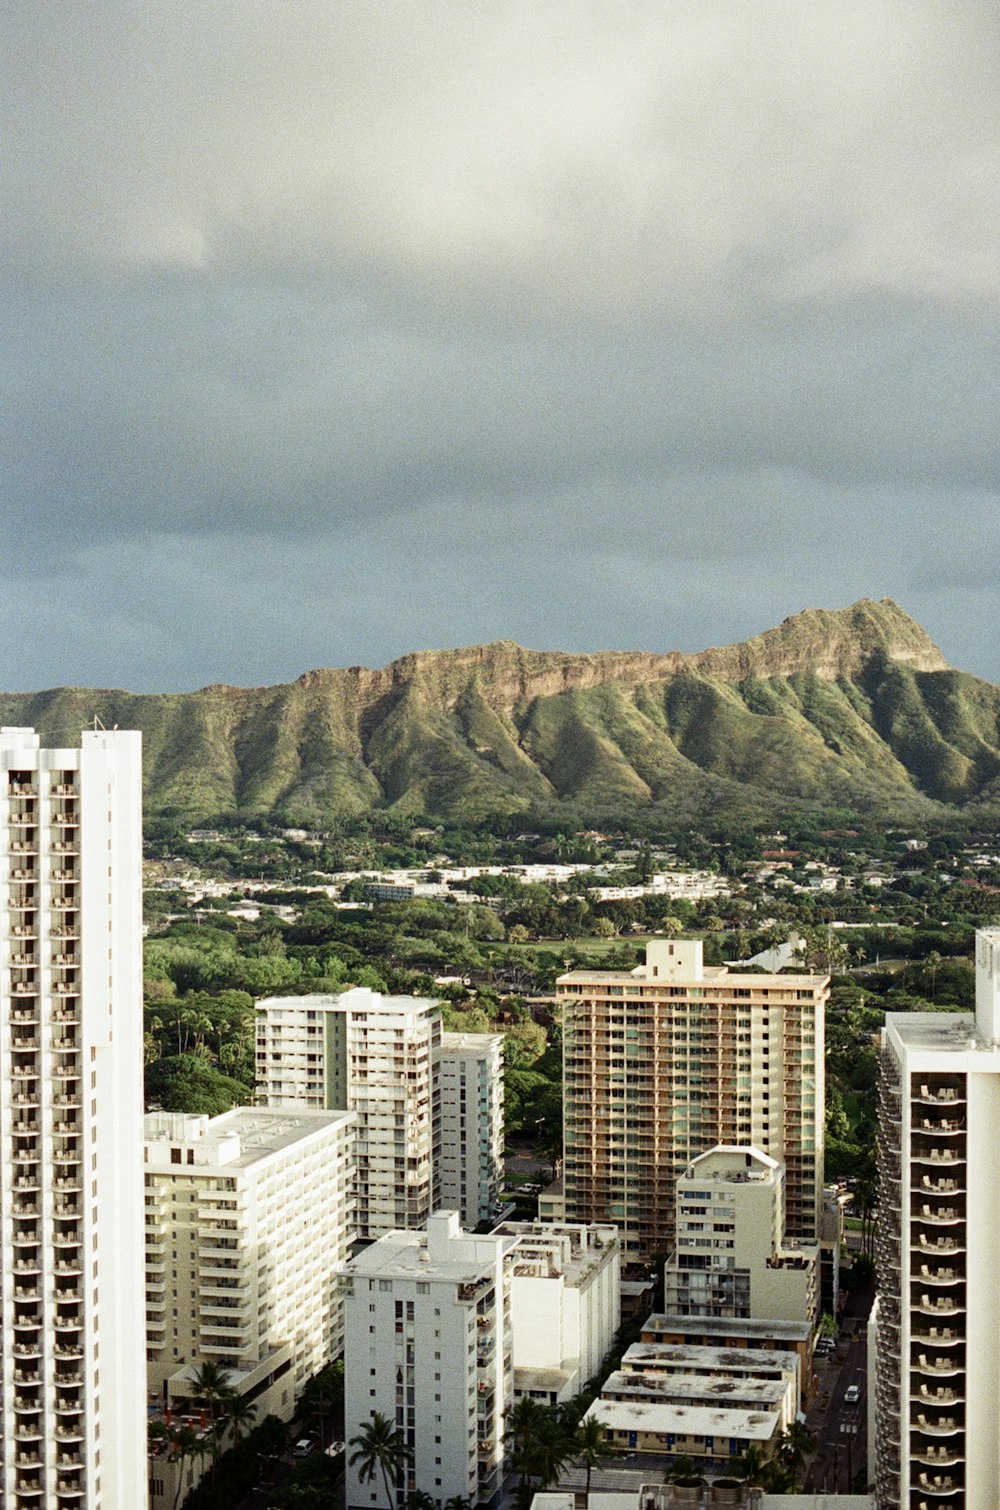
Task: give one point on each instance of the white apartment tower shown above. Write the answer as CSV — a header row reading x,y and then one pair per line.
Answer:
x,y
374,1055
72,1366
938,1316
664,1062
248,1218
428,1346
471,1168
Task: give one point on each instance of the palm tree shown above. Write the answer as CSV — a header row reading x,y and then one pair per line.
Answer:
x,y
457,1502
324,1393
239,1414
523,1420
590,1442
380,1445
551,1449
211,1385
750,1464
795,1444
418,1500
682,1467
180,1442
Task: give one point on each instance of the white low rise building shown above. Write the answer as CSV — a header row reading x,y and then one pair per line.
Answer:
x,y
708,1403
428,1346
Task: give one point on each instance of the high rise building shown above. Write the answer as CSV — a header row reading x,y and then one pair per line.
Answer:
x,y
730,1259
374,1055
428,1346
72,1364
471,1169
666,1061
938,1309
249,1217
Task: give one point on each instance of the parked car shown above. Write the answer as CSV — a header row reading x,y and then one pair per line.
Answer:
x,y
303,1447
852,1394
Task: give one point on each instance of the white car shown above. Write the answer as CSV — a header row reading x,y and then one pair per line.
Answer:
x,y
852,1394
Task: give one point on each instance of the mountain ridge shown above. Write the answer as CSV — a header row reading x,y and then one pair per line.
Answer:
x,y
852,707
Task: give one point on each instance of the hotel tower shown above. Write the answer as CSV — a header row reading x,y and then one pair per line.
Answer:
x,y
72,1365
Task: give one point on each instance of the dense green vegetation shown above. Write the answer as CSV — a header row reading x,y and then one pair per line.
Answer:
x,y
910,916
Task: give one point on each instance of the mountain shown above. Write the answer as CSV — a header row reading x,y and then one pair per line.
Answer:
x,y
854,708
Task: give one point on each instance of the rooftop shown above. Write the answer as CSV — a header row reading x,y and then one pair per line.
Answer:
x,y
444,1252
728,1326
697,1358
473,1044
685,1420
664,1388
357,999
240,1138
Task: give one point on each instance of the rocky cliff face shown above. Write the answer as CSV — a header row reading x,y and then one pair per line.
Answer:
x,y
856,708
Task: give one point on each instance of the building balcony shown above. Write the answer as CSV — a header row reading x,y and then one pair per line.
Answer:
x,y
939,1216
938,1484
940,1426
941,1276
941,1394
938,1366
946,1095
946,1337
938,1245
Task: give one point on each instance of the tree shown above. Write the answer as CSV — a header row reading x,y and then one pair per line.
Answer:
x,y
179,1443
239,1414
211,1385
682,1467
590,1442
418,1500
324,1393
794,1445
550,1449
522,1422
380,1446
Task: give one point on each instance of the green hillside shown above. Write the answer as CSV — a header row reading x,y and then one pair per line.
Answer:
x,y
854,708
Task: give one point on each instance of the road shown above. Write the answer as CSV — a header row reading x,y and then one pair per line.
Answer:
x,y
840,1430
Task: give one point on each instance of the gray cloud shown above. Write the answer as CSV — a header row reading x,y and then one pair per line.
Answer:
x,y
338,330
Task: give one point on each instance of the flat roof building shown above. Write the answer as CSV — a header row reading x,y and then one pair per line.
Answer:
x,y
248,1217
730,1259
428,1346
374,1055
938,1319
72,1366
662,1063
470,1172
565,1305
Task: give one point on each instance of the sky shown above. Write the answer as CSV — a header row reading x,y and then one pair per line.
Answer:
x,y
337,329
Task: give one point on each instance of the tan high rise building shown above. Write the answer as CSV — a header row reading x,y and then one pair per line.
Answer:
x,y
663,1063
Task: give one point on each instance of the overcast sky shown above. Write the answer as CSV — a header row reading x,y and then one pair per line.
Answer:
x,y
335,329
